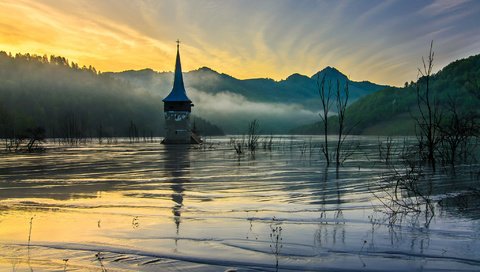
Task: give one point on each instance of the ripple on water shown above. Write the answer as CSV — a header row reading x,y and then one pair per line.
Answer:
x,y
165,208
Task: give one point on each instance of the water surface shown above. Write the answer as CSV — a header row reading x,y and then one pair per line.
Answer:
x,y
150,207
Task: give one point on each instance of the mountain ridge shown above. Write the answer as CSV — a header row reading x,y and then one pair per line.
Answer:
x,y
391,111
37,90
329,70
296,88
278,105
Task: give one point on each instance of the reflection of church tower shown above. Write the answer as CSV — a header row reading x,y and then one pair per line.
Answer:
x,y
177,109
177,198
177,164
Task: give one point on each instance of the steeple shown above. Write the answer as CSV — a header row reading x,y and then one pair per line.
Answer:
x,y
178,93
177,108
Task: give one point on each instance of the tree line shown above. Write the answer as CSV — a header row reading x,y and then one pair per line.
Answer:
x,y
72,102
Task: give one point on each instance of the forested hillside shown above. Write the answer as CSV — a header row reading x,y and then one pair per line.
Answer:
x,y
279,106
68,100
296,89
392,111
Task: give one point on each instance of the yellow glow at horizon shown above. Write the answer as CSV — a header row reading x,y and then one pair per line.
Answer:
x,y
35,28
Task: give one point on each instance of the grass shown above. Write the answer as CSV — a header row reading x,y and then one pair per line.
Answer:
x,y
30,230
276,239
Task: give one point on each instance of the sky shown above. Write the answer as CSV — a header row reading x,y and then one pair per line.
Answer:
x,y
379,41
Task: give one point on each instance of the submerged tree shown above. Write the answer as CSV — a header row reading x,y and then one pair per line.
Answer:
x,y
342,101
36,135
429,109
325,98
253,136
341,97
250,143
455,131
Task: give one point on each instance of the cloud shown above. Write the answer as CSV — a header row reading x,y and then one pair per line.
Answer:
x,y
443,7
368,40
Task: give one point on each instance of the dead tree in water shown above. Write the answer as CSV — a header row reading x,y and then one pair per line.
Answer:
x,y
250,143
72,129
325,97
252,137
100,133
238,146
133,133
456,131
36,135
430,116
406,191
4,127
342,102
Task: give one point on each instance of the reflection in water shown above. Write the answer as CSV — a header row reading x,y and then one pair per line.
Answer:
x,y
88,198
177,164
335,230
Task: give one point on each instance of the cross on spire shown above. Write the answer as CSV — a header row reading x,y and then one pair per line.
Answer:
x,y
178,93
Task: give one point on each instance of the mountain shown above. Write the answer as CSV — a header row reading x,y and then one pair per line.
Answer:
x,y
390,111
278,105
294,89
55,93
65,100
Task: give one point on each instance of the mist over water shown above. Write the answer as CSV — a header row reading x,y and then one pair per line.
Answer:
x,y
151,207
234,112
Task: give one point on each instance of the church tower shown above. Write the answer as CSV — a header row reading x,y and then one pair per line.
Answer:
x,y
177,108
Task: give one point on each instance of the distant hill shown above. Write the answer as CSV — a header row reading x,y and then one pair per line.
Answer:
x,y
390,111
55,93
66,99
295,89
278,105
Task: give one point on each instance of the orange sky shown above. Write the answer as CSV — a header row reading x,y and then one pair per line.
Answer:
x,y
378,41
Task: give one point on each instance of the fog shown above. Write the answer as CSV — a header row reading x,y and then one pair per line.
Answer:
x,y
37,91
233,112
223,100
55,93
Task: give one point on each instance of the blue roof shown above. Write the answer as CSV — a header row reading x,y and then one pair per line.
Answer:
x,y
178,93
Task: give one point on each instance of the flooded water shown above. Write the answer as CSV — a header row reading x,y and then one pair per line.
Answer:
x,y
150,207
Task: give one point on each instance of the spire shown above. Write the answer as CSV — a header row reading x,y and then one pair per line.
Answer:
x,y
178,81
178,93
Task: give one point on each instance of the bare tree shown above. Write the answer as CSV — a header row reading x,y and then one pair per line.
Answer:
x,y
325,97
341,103
36,135
250,143
4,126
405,191
429,109
341,97
253,136
133,133
100,133
238,145
72,128
455,132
